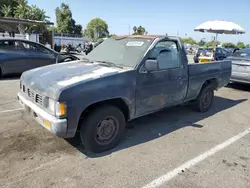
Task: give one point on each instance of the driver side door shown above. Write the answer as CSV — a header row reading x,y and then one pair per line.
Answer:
x,y
165,87
38,55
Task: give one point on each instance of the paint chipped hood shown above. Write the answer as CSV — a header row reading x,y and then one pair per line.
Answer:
x,y
51,80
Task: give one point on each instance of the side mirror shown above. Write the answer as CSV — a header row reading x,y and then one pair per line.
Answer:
x,y
151,65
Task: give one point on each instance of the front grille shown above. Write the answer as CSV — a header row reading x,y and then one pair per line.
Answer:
x,y
31,94
35,97
39,99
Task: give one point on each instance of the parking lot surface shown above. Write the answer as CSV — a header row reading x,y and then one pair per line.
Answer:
x,y
176,147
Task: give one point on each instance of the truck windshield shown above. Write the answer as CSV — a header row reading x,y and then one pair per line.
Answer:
x,y
123,51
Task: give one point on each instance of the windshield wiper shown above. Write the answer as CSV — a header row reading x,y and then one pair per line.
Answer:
x,y
110,63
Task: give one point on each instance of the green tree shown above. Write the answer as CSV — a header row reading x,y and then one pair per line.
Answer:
x,y
241,45
112,35
248,46
202,43
139,30
211,43
6,11
96,28
65,22
135,29
228,45
188,41
11,4
24,11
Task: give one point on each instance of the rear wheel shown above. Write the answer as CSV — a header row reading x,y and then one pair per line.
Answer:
x,y
102,129
205,99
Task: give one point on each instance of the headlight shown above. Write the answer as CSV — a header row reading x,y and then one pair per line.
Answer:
x,y
51,105
58,109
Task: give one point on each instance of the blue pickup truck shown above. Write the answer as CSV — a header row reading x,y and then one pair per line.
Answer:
x,y
122,79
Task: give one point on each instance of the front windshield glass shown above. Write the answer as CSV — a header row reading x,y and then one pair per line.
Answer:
x,y
124,51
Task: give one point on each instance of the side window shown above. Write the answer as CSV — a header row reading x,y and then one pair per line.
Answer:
x,y
167,54
10,45
35,48
218,51
224,52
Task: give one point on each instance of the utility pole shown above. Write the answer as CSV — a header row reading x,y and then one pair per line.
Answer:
x,y
177,33
129,29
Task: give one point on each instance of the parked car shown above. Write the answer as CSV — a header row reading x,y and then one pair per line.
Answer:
x,y
240,66
123,78
220,53
17,56
231,50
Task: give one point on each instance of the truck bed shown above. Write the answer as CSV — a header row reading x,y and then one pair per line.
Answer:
x,y
199,73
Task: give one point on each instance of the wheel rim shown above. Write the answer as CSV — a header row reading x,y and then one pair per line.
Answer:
x,y
207,99
107,130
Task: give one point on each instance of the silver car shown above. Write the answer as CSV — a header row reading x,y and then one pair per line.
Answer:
x,y
240,66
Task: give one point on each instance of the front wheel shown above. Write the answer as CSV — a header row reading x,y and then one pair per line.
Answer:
x,y
205,99
102,129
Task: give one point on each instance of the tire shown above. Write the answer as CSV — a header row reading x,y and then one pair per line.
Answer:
x,y
205,99
1,74
92,132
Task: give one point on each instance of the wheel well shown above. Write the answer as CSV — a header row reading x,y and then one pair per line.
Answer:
x,y
118,102
213,82
1,71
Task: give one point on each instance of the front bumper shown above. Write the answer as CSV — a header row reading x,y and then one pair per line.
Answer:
x,y
53,124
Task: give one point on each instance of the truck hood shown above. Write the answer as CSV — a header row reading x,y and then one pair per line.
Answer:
x,y
51,80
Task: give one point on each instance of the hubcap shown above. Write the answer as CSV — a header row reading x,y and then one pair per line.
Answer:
x,y
107,130
207,99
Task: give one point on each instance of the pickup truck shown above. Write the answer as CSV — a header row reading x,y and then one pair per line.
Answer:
x,y
123,78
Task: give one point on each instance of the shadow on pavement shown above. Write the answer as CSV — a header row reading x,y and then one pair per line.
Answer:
x,y
11,77
159,124
239,86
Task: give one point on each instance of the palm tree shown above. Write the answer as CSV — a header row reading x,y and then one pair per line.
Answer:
x,y
32,13
135,30
6,11
22,11
140,30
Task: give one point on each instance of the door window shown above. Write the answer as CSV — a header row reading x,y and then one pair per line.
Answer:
x,y
30,47
167,54
10,45
224,52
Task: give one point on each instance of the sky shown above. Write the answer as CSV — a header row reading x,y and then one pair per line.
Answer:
x,y
157,16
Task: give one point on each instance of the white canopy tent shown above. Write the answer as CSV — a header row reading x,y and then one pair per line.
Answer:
x,y
220,27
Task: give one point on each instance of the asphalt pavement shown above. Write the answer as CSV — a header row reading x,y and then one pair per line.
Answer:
x,y
177,147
